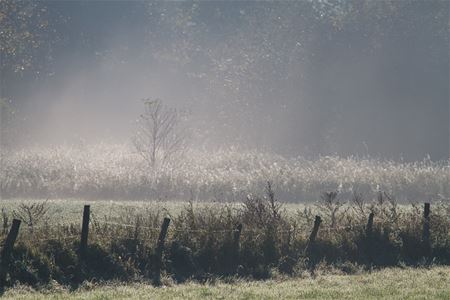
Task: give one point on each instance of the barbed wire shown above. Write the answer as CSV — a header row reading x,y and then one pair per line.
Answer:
x,y
134,226
294,231
65,238
44,239
188,230
349,227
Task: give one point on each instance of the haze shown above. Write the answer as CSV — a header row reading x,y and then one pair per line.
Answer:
x,y
295,78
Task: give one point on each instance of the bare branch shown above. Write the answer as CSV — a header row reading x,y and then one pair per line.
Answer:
x,y
160,137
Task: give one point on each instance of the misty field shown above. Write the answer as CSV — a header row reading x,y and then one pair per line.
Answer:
x,y
224,149
371,217
228,175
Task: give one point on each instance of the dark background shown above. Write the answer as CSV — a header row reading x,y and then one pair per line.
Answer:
x,y
297,78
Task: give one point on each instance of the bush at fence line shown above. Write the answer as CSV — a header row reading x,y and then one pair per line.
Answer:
x,y
116,171
201,243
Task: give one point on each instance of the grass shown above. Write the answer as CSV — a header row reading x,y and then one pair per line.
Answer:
x,y
232,188
391,283
69,211
117,171
201,239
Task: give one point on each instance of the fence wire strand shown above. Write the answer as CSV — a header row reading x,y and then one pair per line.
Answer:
x,y
138,235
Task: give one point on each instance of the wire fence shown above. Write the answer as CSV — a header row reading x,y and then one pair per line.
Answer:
x,y
138,230
30,232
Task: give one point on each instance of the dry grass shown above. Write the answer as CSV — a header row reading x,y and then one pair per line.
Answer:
x,y
117,171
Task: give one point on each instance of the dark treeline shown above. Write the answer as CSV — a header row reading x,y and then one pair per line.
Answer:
x,y
304,77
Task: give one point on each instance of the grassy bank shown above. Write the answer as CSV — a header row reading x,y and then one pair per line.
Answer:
x,y
392,283
201,243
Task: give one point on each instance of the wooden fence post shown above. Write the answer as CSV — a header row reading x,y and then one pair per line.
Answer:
x,y
6,251
286,243
159,250
236,245
137,227
369,237
5,221
313,235
426,229
85,229
369,228
289,239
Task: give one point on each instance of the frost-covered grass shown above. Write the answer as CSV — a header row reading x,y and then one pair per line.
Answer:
x,y
118,172
392,283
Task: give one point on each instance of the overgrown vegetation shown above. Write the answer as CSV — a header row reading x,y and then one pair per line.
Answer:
x,y
118,172
202,242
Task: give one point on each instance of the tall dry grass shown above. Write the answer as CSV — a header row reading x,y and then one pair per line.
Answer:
x,y
117,172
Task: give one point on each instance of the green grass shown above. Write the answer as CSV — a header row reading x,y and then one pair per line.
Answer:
x,y
70,211
392,283
66,211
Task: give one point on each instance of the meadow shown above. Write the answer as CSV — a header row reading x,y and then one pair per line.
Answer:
x,y
118,172
391,283
272,201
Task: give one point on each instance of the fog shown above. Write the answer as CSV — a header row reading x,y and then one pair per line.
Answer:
x,y
296,78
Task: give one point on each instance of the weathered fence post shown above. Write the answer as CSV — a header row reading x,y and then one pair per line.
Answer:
x,y
369,228
310,247
6,251
159,250
287,243
85,229
137,227
313,235
426,229
5,220
236,245
289,239
369,237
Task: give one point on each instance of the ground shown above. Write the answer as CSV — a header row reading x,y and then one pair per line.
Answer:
x,y
394,283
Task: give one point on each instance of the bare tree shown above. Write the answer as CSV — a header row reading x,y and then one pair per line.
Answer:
x,y
31,214
160,137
